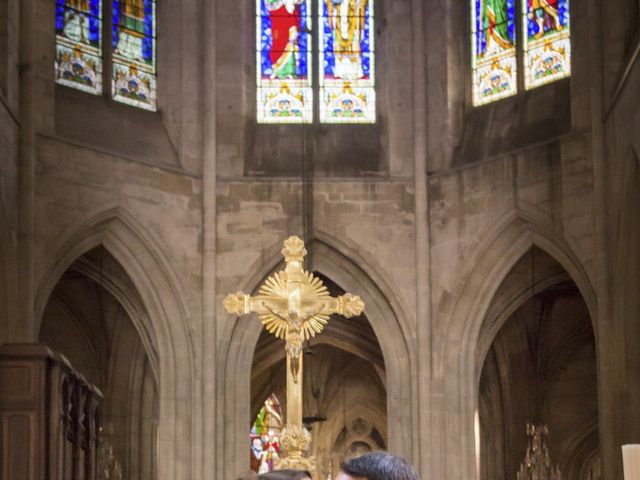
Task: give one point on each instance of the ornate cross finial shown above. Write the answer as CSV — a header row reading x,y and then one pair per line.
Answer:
x,y
293,250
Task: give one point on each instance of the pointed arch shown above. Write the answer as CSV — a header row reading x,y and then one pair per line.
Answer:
x,y
581,452
456,363
354,274
161,318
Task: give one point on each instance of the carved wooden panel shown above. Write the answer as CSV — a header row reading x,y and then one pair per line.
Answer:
x,y
49,417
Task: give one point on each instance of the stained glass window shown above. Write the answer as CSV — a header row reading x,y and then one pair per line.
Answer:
x,y
283,42
265,436
493,50
134,53
78,61
347,93
547,46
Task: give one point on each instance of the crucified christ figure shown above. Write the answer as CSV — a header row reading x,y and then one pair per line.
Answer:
x,y
294,336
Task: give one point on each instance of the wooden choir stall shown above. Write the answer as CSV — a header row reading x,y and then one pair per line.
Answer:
x,y
49,416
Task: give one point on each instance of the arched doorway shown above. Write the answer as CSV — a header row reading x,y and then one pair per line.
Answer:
x,y
345,398
84,320
539,366
353,273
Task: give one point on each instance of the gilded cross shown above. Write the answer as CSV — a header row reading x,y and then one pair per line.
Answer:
x,y
294,305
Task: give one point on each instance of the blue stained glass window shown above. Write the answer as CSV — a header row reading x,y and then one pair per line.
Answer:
x,y
78,60
547,45
493,50
283,44
134,53
347,79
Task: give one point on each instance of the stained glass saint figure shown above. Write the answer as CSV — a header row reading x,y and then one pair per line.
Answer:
x,y
78,62
547,46
283,61
347,93
265,436
494,50
134,53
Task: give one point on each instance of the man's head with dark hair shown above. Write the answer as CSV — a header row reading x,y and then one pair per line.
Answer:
x,y
286,475
377,466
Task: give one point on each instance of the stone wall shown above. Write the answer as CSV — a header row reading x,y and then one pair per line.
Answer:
x,y
618,214
198,191
9,129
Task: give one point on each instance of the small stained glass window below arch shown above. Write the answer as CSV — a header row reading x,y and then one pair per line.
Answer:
x,y
78,58
547,45
493,50
134,53
265,436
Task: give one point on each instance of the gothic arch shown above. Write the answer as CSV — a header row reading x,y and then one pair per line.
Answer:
x,y
495,319
456,362
351,273
162,323
581,452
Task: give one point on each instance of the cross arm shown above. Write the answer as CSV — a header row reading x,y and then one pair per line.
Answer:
x,y
240,303
347,305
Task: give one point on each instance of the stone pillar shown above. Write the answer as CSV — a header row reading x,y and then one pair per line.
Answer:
x,y
421,443
26,173
209,401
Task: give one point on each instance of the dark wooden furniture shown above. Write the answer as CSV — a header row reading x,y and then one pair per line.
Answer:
x,y
49,417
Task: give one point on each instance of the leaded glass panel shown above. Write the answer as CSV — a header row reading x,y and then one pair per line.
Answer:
x,y
347,73
265,436
493,50
78,61
134,53
547,46
283,44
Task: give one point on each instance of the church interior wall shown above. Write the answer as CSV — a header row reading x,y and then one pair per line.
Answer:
x,y
502,178
75,183
620,40
551,184
540,372
9,43
389,323
169,137
541,363
627,301
374,218
620,207
9,130
106,347
249,149
460,134
446,69
458,329
162,319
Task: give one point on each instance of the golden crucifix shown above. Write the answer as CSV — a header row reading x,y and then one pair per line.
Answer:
x,y
294,305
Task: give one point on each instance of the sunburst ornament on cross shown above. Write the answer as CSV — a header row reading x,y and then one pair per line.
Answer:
x,y
294,305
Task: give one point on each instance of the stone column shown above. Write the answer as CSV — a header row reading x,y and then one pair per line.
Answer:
x,y
421,443
26,173
609,330
208,398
